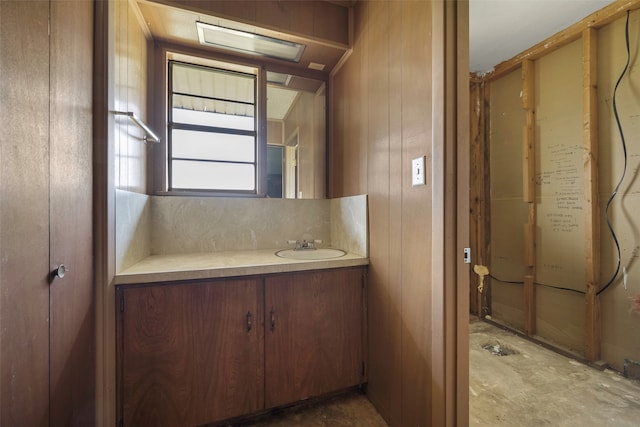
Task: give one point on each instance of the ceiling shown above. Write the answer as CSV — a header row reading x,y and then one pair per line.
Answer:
x,y
175,25
500,29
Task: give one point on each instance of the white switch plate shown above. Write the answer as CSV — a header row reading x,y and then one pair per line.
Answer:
x,y
417,172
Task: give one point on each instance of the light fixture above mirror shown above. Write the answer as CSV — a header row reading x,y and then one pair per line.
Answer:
x,y
249,43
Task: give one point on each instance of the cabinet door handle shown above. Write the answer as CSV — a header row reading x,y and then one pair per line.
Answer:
x,y
249,325
272,313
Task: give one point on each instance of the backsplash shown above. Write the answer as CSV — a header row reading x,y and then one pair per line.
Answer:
x,y
349,224
133,228
208,224
164,225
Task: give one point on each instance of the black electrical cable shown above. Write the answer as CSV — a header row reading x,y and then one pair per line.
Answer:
x,y
577,291
624,169
506,281
539,284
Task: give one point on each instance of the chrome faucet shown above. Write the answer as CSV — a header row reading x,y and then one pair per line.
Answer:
x,y
304,244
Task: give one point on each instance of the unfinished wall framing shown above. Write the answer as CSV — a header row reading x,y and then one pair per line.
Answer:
x,y
553,155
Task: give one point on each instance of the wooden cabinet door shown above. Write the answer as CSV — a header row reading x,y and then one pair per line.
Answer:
x,y
313,334
190,354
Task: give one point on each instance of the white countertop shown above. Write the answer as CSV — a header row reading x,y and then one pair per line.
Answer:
x,y
163,268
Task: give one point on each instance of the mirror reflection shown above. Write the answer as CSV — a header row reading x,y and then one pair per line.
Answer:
x,y
296,137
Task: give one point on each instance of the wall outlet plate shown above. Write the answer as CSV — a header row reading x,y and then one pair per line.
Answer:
x,y
417,172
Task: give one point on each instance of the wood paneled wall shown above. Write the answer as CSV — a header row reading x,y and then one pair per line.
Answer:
x,y
47,351
384,113
307,118
130,73
24,214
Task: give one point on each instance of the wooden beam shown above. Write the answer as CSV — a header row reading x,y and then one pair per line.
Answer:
x,y
475,195
596,20
529,194
485,233
591,203
528,137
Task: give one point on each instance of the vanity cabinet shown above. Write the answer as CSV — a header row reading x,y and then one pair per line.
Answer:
x,y
313,337
193,353
190,354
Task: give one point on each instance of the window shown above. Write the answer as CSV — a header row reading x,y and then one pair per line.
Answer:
x,y
212,129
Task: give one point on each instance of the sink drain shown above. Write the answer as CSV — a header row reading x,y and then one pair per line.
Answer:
x,y
498,349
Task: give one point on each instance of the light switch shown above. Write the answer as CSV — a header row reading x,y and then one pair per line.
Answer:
x,y
417,172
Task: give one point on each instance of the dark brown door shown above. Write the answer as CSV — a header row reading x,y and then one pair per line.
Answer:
x,y
72,337
46,326
24,213
313,334
190,354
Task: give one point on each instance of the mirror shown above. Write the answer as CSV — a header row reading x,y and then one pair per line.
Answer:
x,y
296,137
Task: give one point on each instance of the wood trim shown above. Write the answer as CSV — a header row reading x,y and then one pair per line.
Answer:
x,y
529,170
104,211
591,200
450,136
439,226
596,20
461,144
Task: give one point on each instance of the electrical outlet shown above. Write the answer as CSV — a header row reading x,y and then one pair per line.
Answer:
x,y
417,172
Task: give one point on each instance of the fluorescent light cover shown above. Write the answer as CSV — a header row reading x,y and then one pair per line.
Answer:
x,y
254,44
278,78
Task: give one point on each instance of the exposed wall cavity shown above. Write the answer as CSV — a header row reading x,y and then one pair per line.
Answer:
x,y
562,183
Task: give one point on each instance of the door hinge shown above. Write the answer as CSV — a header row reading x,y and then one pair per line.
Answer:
x,y
362,369
121,302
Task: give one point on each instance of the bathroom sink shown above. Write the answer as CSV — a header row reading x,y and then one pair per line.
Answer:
x,y
321,253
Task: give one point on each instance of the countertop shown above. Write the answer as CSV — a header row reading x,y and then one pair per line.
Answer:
x,y
210,265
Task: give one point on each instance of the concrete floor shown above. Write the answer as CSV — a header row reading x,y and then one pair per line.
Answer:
x,y
532,387
538,387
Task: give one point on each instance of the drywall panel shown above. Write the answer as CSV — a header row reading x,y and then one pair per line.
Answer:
x,y
506,121
560,318
507,304
507,242
508,210
560,239
620,324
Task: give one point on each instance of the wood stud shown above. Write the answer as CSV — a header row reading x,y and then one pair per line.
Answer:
x,y
480,226
529,170
591,203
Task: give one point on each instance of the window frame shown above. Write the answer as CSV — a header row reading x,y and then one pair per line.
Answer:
x,y
255,133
